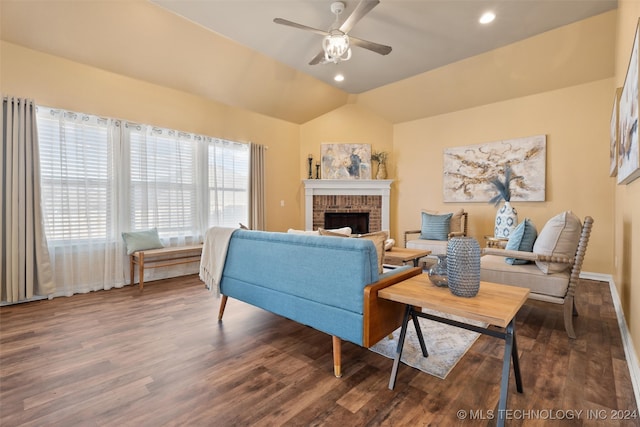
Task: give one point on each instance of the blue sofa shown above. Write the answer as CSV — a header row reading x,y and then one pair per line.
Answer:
x,y
328,283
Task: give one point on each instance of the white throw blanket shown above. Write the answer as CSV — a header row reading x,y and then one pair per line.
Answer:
x,y
214,255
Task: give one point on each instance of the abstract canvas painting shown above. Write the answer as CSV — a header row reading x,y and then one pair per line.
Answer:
x,y
628,150
614,139
346,161
469,169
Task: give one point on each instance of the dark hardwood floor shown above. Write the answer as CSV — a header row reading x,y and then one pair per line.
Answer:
x,y
125,358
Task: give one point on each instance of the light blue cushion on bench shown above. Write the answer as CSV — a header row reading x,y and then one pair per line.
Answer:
x,y
142,240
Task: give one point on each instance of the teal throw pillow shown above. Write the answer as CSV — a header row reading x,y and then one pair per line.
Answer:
x,y
435,227
142,240
521,239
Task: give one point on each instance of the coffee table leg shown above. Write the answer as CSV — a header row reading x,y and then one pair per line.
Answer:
x,y
416,324
396,361
516,362
509,348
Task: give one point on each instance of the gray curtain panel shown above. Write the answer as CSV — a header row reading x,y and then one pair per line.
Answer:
x,y
257,215
25,266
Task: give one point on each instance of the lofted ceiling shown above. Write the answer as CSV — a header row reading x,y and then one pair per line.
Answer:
x,y
424,34
231,51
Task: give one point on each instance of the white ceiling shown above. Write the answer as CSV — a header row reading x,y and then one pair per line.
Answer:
x,y
424,34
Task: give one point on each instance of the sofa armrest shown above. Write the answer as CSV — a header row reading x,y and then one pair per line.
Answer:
x,y
381,316
407,233
456,234
529,256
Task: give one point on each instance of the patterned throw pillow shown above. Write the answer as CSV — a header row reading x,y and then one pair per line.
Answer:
x,y
142,240
521,238
435,227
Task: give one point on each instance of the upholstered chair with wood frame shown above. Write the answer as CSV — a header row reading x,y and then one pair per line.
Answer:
x,y
551,270
436,230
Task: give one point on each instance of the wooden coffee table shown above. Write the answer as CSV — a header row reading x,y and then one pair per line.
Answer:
x,y
403,255
495,304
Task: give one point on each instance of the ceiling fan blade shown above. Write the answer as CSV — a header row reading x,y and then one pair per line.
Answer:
x,y
318,59
374,47
358,13
299,26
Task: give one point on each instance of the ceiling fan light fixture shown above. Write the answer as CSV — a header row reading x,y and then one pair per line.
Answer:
x,y
336,47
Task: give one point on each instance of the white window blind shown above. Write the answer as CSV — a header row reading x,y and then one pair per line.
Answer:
x,y
76,160
228,182
101,177
163,184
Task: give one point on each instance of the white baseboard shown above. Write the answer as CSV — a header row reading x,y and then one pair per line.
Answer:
x,y
629,349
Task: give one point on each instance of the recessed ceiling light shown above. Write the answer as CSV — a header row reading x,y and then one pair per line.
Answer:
x,y
487,17
339,78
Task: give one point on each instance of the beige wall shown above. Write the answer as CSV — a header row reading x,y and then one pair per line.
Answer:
x,y
575,121
347,124
627,197
56,82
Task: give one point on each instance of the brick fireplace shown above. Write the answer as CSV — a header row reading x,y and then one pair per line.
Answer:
x,y
370,197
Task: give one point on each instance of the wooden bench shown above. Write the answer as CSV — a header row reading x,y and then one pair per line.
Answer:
x,y
163,257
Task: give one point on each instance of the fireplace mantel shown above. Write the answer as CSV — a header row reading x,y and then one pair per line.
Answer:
x,y
346,187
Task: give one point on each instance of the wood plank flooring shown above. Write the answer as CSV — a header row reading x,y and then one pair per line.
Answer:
x,y
160,358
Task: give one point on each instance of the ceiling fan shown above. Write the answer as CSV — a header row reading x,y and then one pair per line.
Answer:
x,y
336,45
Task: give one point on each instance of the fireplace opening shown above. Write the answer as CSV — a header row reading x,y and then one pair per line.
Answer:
x,y
358,221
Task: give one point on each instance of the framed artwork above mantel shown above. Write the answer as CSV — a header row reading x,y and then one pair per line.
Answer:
x,y
346,161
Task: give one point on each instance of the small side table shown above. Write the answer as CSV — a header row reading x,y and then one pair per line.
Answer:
x,y
496,242
495,304
403,255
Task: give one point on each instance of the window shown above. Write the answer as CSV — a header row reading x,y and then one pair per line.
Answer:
x,y
163,183
76,160
228,182
103,176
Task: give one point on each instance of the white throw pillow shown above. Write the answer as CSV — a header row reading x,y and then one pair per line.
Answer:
x,y
344,230
559,237
310,232
389,244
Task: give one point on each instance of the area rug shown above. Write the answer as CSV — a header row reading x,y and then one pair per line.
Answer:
x,y
446,344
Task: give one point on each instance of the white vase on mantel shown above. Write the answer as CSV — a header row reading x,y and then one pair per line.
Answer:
x,y
506,221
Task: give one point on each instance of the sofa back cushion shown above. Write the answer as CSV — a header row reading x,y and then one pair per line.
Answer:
x,y
378,238
329,271
559,237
